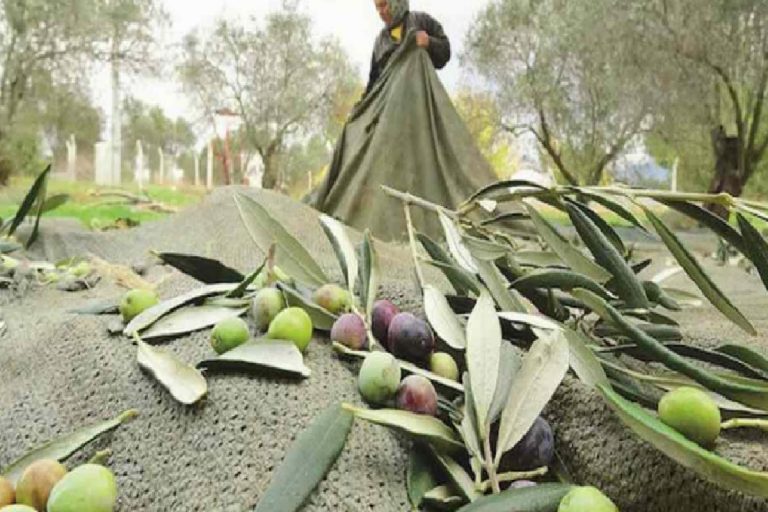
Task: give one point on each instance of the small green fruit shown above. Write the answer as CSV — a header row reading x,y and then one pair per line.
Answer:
x,y
88,488
7,494
379,378
9,263
442,364
37,481
266,305
334,298
292,324
135,301
691,412
228,334
82,269
17,508
586,499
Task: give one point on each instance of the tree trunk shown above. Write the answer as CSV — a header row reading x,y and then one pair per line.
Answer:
x,y
270,171
728,178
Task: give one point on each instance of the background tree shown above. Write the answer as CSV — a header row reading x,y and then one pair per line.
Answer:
x,y
713,116
483,119
278,78
47,47
575,88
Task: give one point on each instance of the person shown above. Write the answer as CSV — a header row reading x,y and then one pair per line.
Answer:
x,y
399,20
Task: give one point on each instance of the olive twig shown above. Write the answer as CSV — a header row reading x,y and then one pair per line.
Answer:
x,y
490,467
744,423
513,477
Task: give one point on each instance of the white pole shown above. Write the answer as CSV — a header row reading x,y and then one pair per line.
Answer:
x,y
138,171
116,116
72,158
674,174
162,165
197,168
209,167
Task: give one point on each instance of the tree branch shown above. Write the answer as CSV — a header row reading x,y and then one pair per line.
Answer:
x,y
545,139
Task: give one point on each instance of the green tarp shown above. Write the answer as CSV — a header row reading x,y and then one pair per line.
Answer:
x,y
405,134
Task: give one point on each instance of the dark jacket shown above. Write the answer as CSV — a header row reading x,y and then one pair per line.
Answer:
x,y
439,46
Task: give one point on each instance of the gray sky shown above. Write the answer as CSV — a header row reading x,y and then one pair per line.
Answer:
x,y
354,23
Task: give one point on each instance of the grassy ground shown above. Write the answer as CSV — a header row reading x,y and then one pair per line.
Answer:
x,y
94,211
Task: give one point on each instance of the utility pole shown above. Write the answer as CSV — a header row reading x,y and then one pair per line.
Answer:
x,y
117,113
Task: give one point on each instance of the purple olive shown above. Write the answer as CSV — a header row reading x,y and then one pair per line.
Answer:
x,y
349,330
410,338
417,395
381,316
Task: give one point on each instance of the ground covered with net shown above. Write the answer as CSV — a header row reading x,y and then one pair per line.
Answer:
x,y
60,371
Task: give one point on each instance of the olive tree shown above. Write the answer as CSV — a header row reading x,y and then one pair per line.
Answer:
x,y
280,79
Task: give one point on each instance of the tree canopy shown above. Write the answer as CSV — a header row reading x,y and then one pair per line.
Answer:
x,y
283,82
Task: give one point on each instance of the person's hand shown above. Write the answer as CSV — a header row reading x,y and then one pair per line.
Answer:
x,y
422,39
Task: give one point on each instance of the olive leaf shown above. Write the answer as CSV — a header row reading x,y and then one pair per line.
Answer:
x,y
456,245
369,273
541,373
755,247
53,202
627,284
714,222
582,360
259,355
497,284
722,357
698,276
309,459
483,349
242,288
440,315
423,428
752,395
342,246
442,497
509,366
484,250
419,478
602,225
184,382
156,312
538,259
509,189
683,451
468,429
560,279
531,320
462,281
292,257
206,270
35,195
64,446
746,355
613,206
456,474
190,319
565,250
542,498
